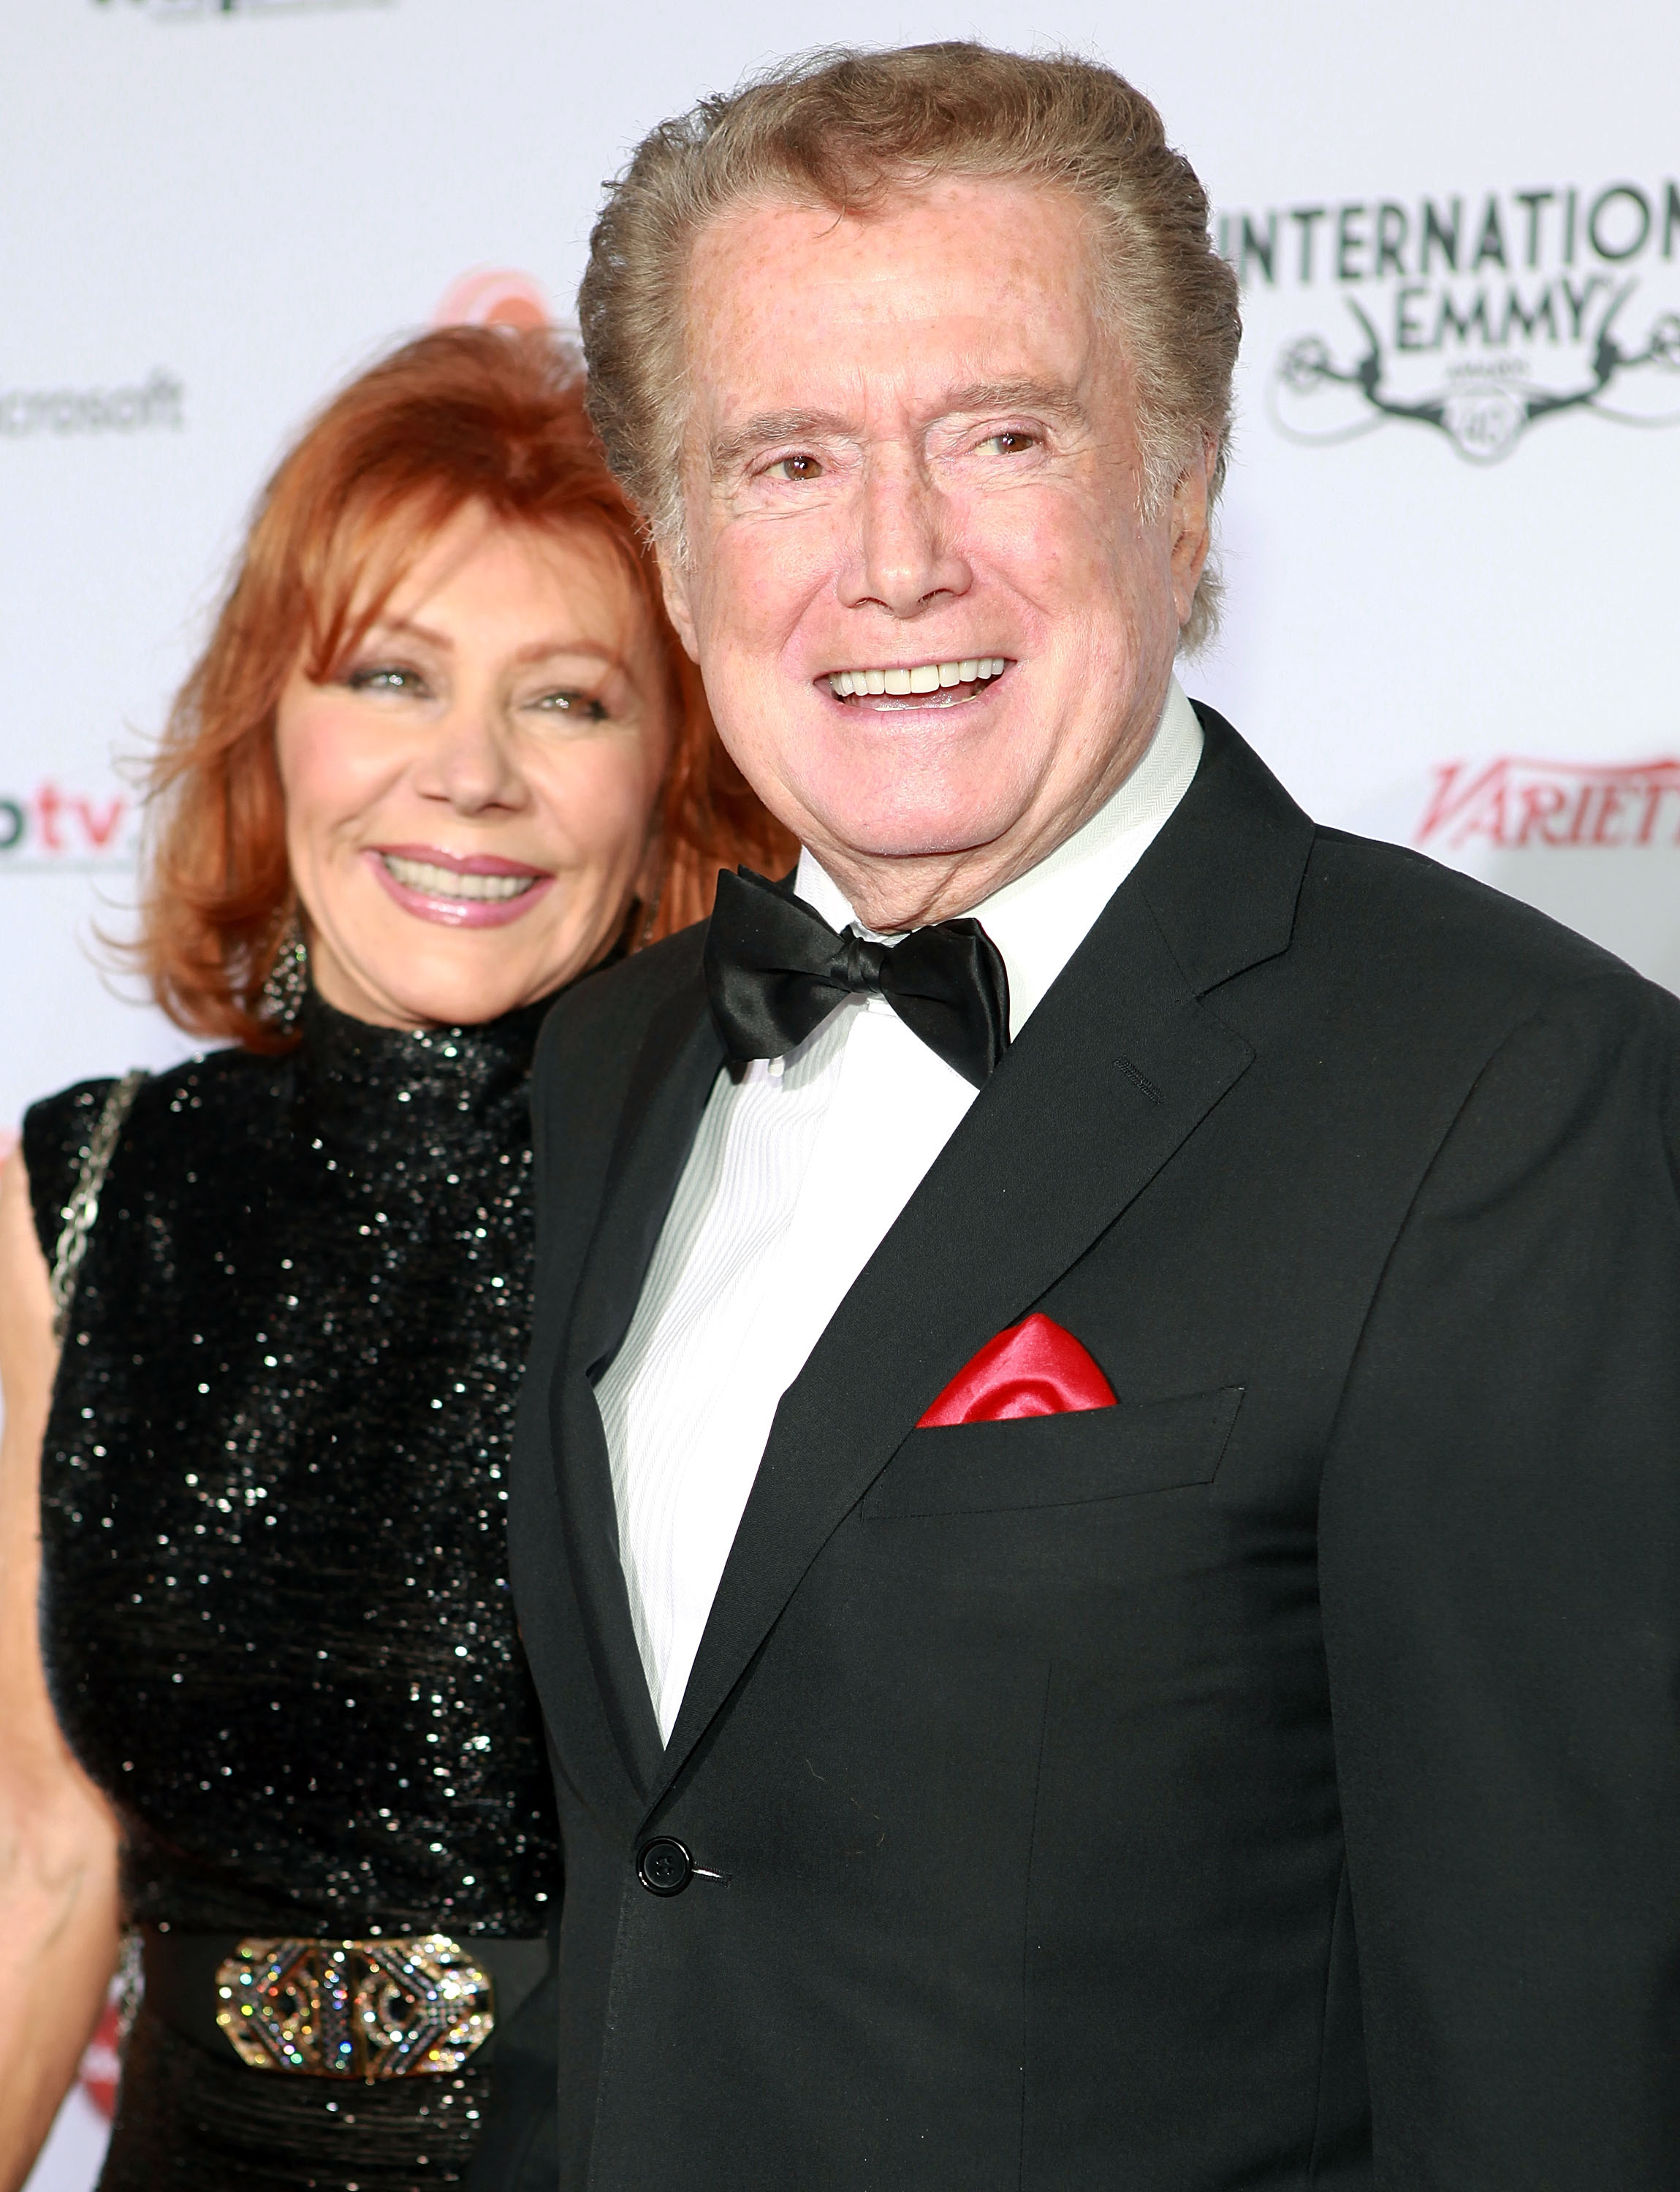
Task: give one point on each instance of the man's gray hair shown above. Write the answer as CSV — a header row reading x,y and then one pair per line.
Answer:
x,y
855,130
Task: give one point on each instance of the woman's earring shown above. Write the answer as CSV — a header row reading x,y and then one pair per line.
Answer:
x,y
287,983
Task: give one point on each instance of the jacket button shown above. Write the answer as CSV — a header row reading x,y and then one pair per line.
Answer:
x,y
663,1867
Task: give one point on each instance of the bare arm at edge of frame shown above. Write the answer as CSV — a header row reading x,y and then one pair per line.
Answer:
x,y
59,1923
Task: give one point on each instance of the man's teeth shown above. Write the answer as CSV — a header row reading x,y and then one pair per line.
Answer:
x,y
926,678
424,875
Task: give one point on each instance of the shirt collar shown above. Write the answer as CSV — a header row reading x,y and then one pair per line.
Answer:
x,y
1039,921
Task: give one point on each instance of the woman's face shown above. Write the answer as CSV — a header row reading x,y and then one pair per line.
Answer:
x,y
468,797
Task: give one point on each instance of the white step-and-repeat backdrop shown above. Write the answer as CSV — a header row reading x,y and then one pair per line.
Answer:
x,y
1449,543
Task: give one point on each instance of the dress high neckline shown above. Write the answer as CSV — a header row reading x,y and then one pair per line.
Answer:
x,y
338,1045
367,1094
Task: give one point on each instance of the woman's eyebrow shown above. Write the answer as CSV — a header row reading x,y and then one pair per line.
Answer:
x,y
399,627
543,650
538,650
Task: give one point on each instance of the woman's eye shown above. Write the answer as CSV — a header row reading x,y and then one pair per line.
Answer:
x,y
584,707
1009,443
800,467
385,677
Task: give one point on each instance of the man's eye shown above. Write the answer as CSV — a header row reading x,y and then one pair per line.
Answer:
x,y
799,467
384,677
1009,443
584,707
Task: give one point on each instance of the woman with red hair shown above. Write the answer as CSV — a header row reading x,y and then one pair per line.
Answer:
x,y
262,1317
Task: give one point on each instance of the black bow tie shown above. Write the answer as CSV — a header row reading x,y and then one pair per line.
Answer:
x,y
775,970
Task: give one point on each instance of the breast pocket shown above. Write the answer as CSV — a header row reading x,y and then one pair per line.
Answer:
x,y
1056,1461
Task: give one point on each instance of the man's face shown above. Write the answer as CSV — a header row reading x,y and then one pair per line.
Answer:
x,y
912,448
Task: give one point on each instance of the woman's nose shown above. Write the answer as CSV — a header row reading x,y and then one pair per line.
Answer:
x,y
472,760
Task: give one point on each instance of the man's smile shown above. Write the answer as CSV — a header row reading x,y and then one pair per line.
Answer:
x,y
920,686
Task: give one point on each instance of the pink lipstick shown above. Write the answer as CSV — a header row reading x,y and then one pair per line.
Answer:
x,y
473,890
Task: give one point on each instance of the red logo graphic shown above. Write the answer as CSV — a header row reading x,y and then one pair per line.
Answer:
x,y
1520,805
493,296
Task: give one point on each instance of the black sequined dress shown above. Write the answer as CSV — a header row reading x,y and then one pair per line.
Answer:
x,y
275,1611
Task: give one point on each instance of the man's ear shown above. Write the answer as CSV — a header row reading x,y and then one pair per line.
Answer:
x,y
1192,523
674,585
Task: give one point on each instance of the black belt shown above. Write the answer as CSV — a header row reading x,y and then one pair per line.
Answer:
x,y
368,2009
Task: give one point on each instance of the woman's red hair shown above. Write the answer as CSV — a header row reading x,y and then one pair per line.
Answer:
x,y
466,416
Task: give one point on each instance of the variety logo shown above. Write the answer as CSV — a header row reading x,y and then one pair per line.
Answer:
x,y
55,830
1520,805
1478,317
493,296
154,401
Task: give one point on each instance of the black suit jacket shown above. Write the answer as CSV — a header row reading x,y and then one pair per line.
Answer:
x,y
1271,1781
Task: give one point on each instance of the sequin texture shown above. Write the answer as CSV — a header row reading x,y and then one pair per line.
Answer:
x,y
275,1604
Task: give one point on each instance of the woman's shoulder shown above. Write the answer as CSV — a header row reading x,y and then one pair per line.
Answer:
x,y
221,1095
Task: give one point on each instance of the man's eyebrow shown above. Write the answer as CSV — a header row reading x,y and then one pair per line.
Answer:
x,y
727,451
1050,399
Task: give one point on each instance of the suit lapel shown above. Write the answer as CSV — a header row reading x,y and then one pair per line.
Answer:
x,y
674,1073
1115,1070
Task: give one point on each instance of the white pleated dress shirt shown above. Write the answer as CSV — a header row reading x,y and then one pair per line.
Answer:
x,y
798,1172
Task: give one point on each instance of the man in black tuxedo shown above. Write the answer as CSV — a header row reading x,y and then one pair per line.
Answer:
x,y
1097,1513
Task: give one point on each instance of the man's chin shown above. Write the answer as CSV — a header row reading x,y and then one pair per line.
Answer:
x,y
908,845
935,829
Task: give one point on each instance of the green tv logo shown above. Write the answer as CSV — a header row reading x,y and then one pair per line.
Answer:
x,y
55,830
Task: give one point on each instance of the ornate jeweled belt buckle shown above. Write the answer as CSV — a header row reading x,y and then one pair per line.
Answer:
x,y
355,2009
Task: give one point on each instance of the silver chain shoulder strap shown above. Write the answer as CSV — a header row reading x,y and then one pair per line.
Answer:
x,y
84,1206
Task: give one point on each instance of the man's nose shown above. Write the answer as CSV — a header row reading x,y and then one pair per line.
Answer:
x,y
471,761
907,558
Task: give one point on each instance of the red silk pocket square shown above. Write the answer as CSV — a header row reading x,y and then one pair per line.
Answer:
x,y
1035,1368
